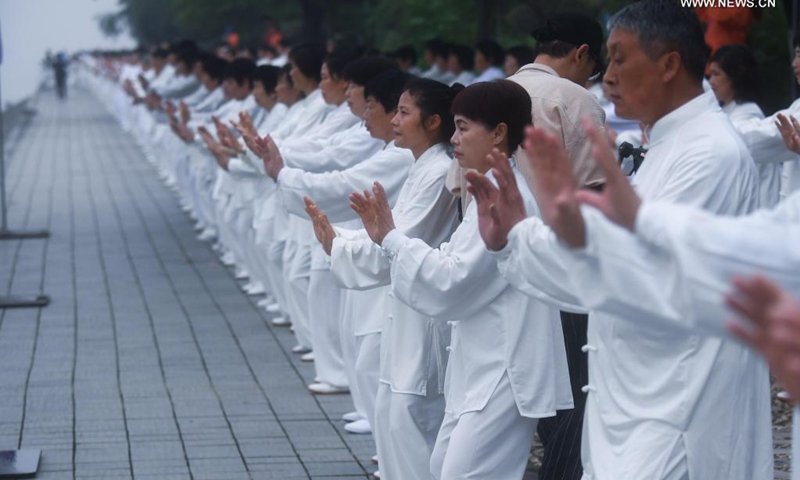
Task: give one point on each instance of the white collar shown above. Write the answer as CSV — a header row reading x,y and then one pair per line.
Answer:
x,y
671,122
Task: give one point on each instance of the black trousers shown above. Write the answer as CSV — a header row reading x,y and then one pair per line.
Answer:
x,y
561,435
61,84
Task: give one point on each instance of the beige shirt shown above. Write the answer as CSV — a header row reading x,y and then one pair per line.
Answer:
x,y
558,106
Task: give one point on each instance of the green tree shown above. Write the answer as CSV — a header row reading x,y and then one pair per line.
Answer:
x,y
149,21
387,24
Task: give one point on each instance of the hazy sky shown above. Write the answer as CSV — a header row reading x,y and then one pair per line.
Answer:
x,y
30,27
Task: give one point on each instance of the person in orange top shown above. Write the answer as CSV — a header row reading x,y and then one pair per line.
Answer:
x,y
232,38
725,26
272,34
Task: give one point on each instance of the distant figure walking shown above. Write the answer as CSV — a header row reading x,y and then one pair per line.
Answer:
x,y
60,69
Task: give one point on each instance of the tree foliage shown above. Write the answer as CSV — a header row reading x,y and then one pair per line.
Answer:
x,y
387,24
149,21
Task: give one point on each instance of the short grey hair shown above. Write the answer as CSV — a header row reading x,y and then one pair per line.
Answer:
x,y
665,26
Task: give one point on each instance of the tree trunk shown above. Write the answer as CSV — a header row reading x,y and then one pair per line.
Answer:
x,y
314,28
487,21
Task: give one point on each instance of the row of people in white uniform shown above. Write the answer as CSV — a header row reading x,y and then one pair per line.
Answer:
x,y
661,394
662,390
410,157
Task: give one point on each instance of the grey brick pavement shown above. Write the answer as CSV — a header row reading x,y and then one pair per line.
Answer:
x,y
150,363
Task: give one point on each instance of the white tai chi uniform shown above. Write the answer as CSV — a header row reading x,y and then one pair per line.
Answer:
x,y
250,184
343,148
507,366
410,406
764,141
361,311
696,255
294,235
769,170
269,249
660,398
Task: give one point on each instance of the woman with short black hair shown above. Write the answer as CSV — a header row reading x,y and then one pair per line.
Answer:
x,y
507,366
410,405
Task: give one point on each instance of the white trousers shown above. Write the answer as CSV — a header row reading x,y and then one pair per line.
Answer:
x,y
351,310
368,359
492,444
324,308
255,259
405,432
272,253
239,228
296,271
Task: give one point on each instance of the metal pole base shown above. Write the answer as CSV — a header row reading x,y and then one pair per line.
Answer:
x,y
20,235
19,301
19,463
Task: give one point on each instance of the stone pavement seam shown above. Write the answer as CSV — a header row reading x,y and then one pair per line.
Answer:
x,y
181,241
113,318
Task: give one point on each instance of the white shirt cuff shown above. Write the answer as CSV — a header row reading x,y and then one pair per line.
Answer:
x,y
505,252
393,241
282,175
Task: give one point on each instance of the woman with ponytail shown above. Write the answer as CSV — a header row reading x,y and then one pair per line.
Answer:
x,y
410,403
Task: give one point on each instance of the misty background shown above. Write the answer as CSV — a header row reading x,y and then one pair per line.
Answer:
x,y
29,28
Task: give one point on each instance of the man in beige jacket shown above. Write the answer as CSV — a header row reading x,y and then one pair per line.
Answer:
x,y
568,47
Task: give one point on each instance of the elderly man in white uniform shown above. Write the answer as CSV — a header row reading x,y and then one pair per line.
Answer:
x,y
659,398
685,259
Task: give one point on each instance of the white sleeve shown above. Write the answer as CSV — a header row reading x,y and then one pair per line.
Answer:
x,y
357,262
332,155
451,282
709,250
764,141
362,264
241,168
679,266
534,263
330,190
620,275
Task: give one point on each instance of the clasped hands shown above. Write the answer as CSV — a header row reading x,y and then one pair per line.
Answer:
x,y
373,209
266,149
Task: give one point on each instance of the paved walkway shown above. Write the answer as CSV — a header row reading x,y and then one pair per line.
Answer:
x,y
150,363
